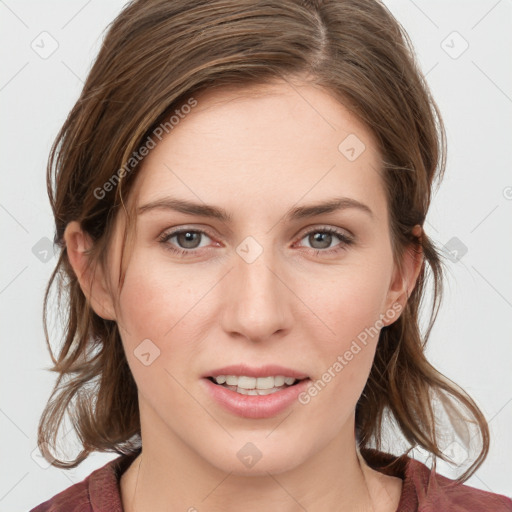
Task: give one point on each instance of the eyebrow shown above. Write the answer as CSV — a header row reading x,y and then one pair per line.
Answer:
x,y
297,213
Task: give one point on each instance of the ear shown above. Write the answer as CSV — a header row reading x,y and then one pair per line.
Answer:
x,y
91,277
402,284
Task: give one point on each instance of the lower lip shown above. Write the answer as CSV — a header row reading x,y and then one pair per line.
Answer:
x,y
255,406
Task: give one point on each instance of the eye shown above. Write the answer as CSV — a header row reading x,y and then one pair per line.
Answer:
x,y
322,238
187,241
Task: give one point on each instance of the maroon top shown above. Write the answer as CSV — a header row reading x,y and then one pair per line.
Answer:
x,y
422,490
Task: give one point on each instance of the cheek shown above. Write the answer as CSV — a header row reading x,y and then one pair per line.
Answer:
x,y
161,320
154,298
352,307
350,301
158,305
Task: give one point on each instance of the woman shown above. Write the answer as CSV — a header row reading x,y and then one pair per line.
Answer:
x,y
240,194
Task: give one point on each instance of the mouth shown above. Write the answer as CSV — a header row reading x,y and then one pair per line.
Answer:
x,y
255,386
255,397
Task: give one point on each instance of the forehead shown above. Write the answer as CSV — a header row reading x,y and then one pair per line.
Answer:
x,y
244,145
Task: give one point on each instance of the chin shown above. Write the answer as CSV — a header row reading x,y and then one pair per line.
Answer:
x,y
255,458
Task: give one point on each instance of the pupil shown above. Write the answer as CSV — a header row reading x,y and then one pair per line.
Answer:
x,y
319,236
187,239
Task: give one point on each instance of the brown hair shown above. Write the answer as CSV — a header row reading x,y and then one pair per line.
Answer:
x,y
155,56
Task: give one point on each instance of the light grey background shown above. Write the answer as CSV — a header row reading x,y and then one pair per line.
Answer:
x,y
472,341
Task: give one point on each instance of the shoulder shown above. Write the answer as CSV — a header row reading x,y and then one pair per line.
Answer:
x,y
428,491
72,499
99,492
437,492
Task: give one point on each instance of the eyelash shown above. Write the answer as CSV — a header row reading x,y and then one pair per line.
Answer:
x,y
345,240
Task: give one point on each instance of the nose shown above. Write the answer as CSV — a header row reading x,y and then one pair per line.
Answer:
x,y
257,300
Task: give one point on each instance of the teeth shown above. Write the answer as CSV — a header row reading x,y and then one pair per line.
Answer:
x,y
280,380
254,383
260,392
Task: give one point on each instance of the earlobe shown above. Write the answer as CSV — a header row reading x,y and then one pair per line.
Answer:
x,y
403,283
89,275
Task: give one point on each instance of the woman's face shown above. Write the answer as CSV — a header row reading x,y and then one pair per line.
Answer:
x,y
307,291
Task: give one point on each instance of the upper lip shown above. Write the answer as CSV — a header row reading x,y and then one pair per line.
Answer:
x,y
252,371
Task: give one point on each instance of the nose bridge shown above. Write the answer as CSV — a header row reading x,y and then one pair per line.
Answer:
x,y
257,303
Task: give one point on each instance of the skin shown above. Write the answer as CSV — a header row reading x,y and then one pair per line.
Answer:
x,y
256,153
